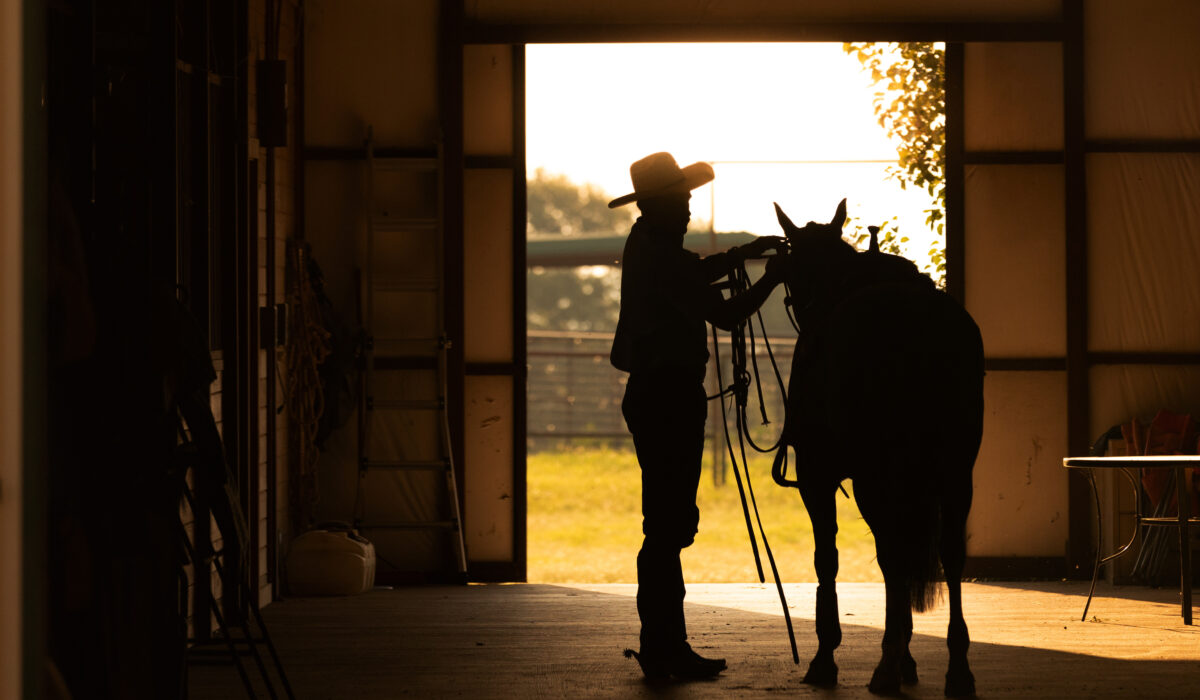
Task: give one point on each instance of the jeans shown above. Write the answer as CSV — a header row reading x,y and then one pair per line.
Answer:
x,y
665,413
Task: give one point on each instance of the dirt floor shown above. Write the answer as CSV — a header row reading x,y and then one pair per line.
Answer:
x,y
565,641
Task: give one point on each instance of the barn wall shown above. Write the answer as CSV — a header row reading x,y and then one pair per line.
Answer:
x,y
371,66
1014,268
488,307
1142,123
1139,111
493,469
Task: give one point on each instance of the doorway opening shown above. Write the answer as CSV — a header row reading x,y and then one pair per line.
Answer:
x,y
796,124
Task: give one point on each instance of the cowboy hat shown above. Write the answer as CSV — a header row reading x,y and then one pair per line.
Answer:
x,y
658,174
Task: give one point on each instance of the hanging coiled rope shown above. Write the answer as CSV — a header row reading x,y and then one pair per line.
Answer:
x,y
308,346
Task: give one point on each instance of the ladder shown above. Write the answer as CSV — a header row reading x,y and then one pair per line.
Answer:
x,y
406,480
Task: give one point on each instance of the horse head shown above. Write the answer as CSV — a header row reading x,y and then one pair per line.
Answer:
x,y
817,253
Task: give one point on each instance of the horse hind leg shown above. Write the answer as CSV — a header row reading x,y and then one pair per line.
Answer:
x,y
896,664
908,665
960,682
822,511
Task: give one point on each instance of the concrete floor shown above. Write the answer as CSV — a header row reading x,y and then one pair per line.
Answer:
x,y
565,641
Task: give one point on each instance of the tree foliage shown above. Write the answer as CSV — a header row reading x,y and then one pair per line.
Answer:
x,y
556,205
572,298
910,103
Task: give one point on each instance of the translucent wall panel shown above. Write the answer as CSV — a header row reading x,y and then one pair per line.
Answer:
x,y
632,11
1123,392
1013,96
370,62
1020,506
488,462
1143,252
407,435
487,100
488,266
1142,68
1015,259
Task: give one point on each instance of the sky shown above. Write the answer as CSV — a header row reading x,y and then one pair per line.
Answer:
x,y
770,117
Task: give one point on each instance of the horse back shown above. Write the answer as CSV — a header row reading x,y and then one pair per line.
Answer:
x,y
892,377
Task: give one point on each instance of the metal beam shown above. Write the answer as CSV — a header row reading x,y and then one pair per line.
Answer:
x,y
623,33
1024,364
1142,145
1012,157
1075,209
606,249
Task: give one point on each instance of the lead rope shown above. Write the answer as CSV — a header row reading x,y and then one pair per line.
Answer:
x,y
739,283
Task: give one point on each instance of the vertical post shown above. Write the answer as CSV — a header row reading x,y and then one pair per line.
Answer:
x,y
22,363
1183,487
955,174
520,352
269,348
450,110
1078,387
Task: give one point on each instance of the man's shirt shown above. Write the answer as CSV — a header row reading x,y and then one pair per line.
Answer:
x,y
661,326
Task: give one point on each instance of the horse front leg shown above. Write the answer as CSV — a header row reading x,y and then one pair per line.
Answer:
x,y
822,511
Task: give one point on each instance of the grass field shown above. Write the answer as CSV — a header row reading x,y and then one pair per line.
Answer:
x,y
584,524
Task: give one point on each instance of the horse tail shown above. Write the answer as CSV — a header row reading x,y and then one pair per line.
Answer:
x,y
922,535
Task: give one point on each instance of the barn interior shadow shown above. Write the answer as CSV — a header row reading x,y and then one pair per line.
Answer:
x,y
540,640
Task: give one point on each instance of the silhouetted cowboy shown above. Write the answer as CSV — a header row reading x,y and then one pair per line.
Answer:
x,y
667,295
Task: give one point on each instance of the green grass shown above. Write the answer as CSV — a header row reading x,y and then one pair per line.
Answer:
x,y
585,524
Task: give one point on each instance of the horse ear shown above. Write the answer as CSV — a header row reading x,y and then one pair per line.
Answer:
x,y
784,221
839,217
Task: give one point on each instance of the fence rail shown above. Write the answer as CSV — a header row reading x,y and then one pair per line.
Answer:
x,y
574,393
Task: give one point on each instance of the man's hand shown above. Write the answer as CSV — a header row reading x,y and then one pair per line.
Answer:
x,y
759,246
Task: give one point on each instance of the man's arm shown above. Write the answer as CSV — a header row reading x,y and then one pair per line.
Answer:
x,y
726,314
698,298
716,266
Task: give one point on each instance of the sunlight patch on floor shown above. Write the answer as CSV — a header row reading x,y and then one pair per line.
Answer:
x,y
1046,614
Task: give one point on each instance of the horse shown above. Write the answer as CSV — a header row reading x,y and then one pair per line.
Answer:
x,y
886,390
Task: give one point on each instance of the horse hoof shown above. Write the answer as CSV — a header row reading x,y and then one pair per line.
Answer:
x,y
960,684
908,671
884,682
822,674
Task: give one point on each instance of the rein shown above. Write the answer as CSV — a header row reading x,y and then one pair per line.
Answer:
x,y
739,282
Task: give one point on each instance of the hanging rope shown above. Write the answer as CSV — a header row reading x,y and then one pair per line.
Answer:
x,y
739,389
308,346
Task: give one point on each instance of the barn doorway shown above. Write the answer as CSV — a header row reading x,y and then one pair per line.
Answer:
x,y
796,124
